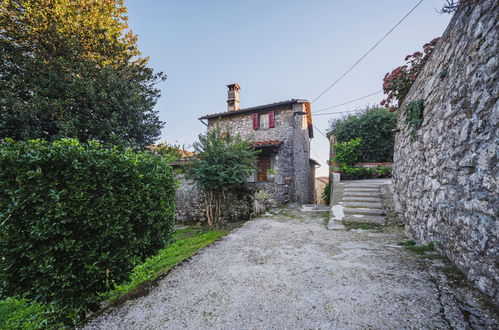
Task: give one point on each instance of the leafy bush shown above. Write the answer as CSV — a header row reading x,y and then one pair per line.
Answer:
x,y
347,153
451,6
383,171
375,126
356,173
224,162
262,195
397,83
326,193
76,217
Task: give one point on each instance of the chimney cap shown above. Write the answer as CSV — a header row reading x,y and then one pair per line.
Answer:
x,y
235,86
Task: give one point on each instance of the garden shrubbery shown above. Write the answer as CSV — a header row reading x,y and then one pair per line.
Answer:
x,y
347,154
375,126
76,218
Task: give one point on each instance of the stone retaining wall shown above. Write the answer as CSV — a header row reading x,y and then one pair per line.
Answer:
x,y
446,178
190,208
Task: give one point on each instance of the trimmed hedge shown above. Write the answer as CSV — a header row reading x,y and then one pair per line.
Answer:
x,y
74,218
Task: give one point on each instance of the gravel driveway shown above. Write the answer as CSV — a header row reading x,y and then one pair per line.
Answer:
x,y
289,271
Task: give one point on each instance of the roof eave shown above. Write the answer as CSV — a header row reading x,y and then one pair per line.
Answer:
x,y
260,108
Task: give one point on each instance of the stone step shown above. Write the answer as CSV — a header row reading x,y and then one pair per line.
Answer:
x,y
362,185
361,190
363,211
367,205
361,194
362,199
364,218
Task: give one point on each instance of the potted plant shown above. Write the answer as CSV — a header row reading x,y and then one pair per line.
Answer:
x,y
271,174
260,201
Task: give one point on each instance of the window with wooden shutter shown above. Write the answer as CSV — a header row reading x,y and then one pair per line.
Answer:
x,y
271,119
255,121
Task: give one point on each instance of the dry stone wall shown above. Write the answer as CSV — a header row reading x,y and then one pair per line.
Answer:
x,y
446,177
190,208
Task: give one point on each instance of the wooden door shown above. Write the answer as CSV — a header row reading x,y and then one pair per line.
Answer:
x,y
263,165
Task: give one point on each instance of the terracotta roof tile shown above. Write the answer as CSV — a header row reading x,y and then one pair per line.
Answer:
x,y
266,143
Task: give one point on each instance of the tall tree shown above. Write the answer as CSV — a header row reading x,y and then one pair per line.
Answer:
x,y
72,69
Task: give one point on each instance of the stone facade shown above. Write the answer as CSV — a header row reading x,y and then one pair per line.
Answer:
x,y
446,179
190,207
293,180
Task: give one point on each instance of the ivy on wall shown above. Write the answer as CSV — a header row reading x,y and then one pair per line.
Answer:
x,y
414,115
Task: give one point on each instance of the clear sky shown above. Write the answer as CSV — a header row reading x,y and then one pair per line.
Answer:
x,y
276,50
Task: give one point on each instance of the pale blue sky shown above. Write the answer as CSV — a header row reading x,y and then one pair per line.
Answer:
x,y
276,50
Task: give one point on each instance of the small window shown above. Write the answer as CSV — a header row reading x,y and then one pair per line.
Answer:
x,y
264,120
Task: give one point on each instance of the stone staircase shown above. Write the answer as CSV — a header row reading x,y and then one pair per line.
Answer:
x,y
357,201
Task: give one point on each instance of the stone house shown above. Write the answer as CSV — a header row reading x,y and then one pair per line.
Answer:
x,y
282,132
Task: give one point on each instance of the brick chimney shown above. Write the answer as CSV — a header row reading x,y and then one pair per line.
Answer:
x,y
233,97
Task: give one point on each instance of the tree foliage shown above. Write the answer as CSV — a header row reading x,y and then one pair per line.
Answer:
x,y
170,152
223,162
72,69
375,127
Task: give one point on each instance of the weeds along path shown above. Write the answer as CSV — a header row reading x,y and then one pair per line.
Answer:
x,y
289,271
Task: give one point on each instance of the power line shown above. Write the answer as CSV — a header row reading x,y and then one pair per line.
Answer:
x,y
348,102
339,112
317,128
369,51
316,155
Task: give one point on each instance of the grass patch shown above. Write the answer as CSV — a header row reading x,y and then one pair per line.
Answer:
x,y
23,314
186,243
407,243
292,216
453,273
433,256
411,245
361,225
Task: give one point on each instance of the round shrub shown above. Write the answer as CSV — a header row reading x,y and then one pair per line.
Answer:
x,y
74,218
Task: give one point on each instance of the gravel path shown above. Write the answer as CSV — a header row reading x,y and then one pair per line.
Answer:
x,y
289,271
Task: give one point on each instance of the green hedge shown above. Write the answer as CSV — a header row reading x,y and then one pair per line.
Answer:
x,y
375,126
75,218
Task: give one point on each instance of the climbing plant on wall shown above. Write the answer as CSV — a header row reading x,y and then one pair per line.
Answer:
x,y
413,113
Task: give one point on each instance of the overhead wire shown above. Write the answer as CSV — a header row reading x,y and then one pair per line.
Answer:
x,y
339,112
368,52
318,157
348,102
319,130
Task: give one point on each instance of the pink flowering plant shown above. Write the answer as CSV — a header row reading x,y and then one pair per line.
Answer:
x,y
397,83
